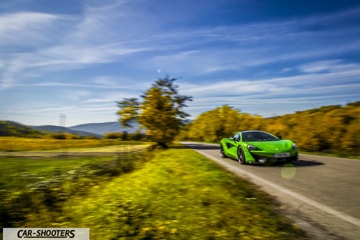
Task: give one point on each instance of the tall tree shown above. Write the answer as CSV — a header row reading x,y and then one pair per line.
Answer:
x,y
160,111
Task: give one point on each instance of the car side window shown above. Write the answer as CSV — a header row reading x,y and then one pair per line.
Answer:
x,y
236,137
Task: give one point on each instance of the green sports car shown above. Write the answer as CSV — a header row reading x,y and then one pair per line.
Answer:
x,y
258,147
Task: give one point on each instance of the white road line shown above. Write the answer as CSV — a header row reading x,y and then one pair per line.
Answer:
x,y
300,197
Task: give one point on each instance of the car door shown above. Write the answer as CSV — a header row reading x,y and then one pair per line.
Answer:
x,y
232,145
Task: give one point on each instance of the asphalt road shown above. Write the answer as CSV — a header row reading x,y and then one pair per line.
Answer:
x,y
321,194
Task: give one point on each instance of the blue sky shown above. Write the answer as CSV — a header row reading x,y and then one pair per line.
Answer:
x,y
77,58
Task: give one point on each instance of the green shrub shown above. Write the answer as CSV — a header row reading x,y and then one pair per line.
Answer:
x,y
47,195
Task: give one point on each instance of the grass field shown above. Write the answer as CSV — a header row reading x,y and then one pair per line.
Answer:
x,y
16,172
17,168
178,194
36,144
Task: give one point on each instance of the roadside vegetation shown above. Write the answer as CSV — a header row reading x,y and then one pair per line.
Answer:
x,y
328,129
167,194
36,186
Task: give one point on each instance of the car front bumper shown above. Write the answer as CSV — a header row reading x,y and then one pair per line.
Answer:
x,y
266,157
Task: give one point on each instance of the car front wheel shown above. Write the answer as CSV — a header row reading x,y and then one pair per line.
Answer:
x,y
222,153
241,156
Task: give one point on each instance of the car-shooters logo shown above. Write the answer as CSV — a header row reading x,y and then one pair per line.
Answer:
x,y
46,233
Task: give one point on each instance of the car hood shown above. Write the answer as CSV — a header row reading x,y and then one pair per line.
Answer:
x,y
273,146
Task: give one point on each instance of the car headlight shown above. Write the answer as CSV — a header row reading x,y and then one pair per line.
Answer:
x,y
250,147
294,146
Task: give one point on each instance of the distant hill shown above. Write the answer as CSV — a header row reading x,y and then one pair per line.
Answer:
x,y
9,128
58,129
102,128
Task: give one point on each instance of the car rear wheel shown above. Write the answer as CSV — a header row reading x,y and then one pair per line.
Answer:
x,y
241,156
222,153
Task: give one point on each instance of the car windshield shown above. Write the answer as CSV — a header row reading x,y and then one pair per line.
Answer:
x,y
257,136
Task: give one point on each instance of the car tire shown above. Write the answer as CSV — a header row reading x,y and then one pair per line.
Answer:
x,y
293,159
241,156
222,153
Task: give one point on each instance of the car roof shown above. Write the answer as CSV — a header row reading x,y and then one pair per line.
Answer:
x,y
247,131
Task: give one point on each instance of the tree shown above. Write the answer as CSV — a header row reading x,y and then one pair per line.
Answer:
x,y
224,121
160,111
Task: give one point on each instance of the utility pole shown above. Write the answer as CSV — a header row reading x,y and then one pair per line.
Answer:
x,y
62,124
62,121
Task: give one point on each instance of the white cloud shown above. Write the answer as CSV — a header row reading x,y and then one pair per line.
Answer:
x,y
75,95
80,45
336,65
107,33
344,81
25,28
258,44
